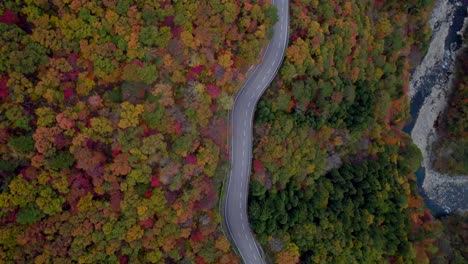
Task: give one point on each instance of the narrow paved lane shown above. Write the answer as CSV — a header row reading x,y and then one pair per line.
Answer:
x,y
235,212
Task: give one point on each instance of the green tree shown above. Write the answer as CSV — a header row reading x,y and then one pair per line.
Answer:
x,y
149,36
29,214
62,160
21,144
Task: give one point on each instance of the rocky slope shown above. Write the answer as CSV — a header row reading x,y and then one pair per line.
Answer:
x,y
432,80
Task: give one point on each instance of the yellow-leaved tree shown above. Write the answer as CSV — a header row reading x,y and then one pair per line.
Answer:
x,y
130,114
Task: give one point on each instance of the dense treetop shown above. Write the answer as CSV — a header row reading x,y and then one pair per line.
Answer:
x,y
113,131
332,179
113,126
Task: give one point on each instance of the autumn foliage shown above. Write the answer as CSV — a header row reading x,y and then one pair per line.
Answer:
x,y
113,126
331,168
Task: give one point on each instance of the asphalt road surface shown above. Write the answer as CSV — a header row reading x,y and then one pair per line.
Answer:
x,y
235,204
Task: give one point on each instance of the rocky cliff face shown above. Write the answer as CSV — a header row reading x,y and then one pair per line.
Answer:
x,y
432,80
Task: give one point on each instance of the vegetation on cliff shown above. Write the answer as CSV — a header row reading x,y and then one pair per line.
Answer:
x,y
450,155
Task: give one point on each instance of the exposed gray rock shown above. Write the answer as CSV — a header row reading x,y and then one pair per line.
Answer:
x,y
333,161
449,192
276,244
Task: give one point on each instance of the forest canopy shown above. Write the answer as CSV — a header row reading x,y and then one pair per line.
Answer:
x,y
113,131
333,179
113,126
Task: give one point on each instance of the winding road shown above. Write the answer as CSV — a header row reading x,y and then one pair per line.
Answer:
x,y
235,204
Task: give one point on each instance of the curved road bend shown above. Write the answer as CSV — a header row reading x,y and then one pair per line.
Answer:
x,y
235,204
